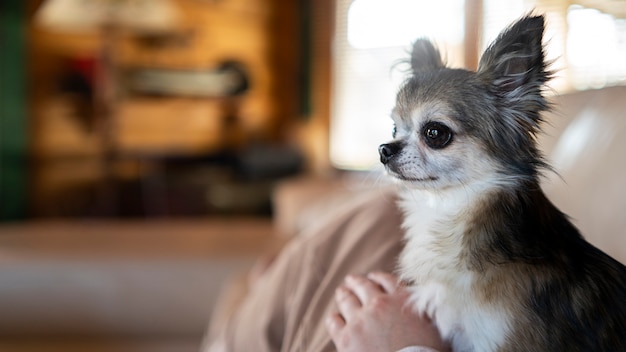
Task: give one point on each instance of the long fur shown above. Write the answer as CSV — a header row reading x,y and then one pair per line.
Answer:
x,y
495,264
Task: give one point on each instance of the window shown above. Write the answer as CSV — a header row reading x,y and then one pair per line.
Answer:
x,y
587,48
596,48
372,36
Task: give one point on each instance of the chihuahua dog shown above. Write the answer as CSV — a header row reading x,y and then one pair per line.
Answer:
x,y
489,258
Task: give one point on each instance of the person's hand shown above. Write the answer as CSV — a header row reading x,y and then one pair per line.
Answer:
x,y
374,315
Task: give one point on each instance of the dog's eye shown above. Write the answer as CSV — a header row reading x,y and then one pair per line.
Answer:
x,y
437,135
394,131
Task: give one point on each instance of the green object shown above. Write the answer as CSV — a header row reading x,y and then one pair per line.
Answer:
x,y
12,111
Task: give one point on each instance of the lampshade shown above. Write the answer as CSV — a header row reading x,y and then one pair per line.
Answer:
x,y
87,15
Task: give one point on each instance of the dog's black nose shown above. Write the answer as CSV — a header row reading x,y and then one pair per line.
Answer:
x,y
388,151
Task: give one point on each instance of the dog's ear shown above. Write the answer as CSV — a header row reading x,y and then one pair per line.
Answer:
x,y
515,59
514,69
425,56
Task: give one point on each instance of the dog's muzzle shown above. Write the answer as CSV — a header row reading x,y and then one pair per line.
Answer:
x,y
388,151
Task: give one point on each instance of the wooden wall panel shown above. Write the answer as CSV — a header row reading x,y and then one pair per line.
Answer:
x,y
260,34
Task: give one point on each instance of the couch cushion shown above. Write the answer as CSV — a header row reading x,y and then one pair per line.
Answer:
x,y
586,144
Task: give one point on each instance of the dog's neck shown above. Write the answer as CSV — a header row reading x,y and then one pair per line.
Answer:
x,y
453,202
463,229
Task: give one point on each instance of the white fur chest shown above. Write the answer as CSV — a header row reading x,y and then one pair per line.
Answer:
x,y
433,259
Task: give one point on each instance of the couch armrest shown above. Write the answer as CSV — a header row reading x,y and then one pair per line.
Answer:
x,y
120,279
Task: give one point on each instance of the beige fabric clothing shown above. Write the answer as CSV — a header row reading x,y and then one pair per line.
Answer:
x,y
286,308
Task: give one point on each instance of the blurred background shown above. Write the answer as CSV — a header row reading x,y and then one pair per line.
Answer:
x,y
148,108
115,108
149,149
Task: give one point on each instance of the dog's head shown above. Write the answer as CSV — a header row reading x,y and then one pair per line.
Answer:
x,y
454,127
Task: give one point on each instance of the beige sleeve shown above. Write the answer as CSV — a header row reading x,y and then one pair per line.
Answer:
x,y
285,310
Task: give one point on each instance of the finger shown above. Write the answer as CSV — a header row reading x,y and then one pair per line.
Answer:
x,y
347,302
363,288
387,281
334,323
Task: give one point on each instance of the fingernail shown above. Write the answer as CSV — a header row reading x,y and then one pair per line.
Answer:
x,y
328,321
352,278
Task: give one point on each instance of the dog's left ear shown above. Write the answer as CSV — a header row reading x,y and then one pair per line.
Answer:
x,y
514,63
425,56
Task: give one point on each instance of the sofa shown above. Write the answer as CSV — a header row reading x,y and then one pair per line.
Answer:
x,y
122,285
152,285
